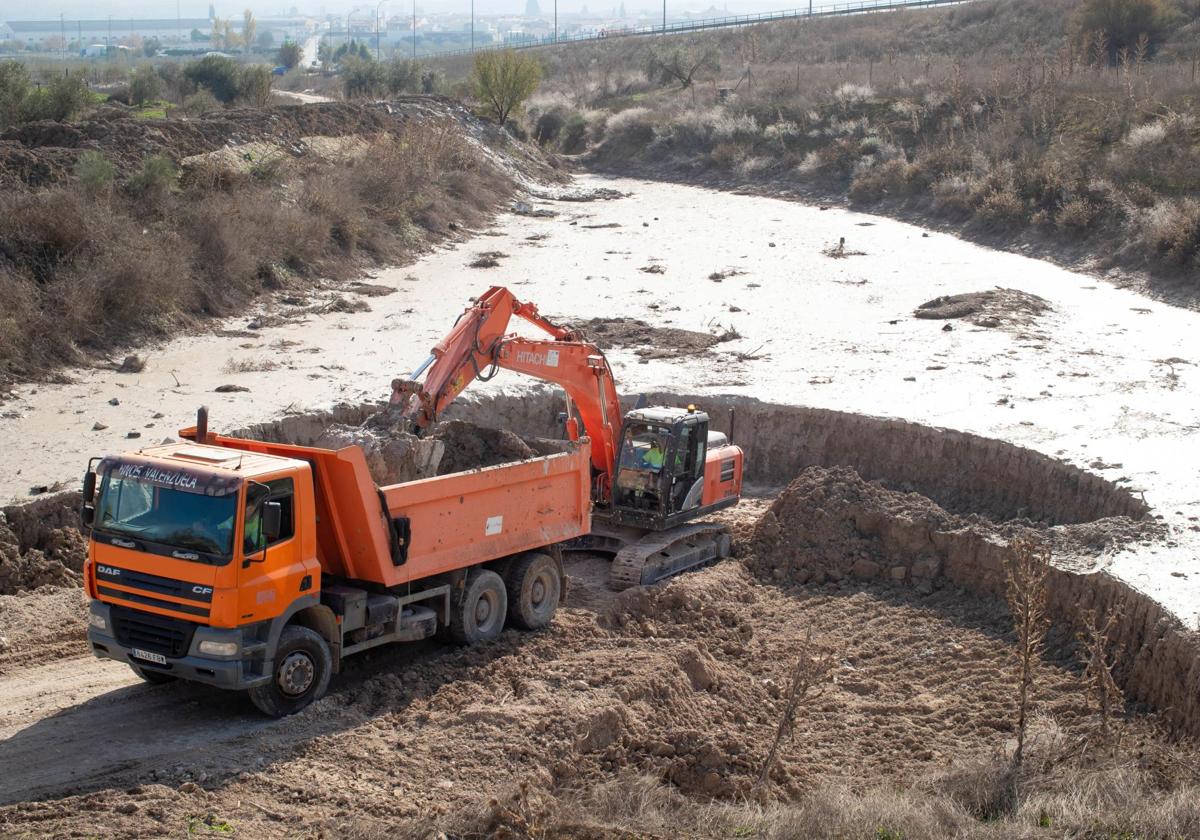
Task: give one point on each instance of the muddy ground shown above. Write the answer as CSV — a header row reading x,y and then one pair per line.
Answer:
x,y
683,683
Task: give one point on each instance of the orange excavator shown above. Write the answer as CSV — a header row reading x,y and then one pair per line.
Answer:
x,y
655,471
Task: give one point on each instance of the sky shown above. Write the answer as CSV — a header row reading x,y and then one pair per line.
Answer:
x,y
101,9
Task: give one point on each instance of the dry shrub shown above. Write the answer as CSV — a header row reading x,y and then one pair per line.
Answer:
x,y
1171,229
1077,215
954,196
1001,208
727,155
889,179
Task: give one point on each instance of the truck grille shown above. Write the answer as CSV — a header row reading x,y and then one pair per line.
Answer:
x,y
168,636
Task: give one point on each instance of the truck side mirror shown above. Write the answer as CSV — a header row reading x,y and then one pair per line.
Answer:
x,y
272,520
89,486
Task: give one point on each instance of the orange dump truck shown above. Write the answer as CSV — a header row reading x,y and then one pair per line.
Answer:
x,y
261,566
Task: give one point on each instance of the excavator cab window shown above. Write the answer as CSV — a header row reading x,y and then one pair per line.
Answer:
x,y
645,449
687,463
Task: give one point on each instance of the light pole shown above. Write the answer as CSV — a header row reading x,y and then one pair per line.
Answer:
x,y
377,8
664,15
556,20
472,25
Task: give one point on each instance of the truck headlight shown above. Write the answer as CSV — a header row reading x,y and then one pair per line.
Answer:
x,y
218,648
97,621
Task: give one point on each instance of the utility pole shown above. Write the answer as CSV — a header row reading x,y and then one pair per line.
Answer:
x,y
810,8
108,44
472,25
556,20
377,8
178,20
414,30
665,15
62,33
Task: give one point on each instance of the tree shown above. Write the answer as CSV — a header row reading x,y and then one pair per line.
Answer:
x,y
249,28
254,85
144,85
197,36
363,78
63,99
150,47
324,53
1028,569
265,41
14,88
503,80
1123,23
290,54
680,64
216,74
403,76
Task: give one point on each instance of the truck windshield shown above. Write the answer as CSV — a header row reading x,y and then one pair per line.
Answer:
x,y
176,518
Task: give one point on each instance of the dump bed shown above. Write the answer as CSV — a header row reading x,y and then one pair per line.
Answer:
x,y
403,532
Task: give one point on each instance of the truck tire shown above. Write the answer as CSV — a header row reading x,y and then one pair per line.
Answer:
x,y
303,665
479,615
534,591
153,677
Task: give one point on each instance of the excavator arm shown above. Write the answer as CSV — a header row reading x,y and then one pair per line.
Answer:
x,y
479,345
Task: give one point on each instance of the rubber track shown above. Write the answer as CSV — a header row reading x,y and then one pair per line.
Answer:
x,y
633,566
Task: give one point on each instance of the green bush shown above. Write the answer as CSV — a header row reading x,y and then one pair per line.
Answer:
x,y
14,89
216,74
403,76
254,85
200,102
95,172
156,178
145,85
548,126
63,99
574,135
363,78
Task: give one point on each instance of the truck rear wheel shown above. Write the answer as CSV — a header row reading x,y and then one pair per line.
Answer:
x,y
479,615
534,591
153,677
303,664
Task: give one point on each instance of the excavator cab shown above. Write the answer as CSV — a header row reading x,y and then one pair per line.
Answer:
x,y
661,467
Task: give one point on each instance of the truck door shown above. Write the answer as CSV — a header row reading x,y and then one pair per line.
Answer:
x,y
272,573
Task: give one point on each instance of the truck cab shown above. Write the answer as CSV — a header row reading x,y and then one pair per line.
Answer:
x,y
198,557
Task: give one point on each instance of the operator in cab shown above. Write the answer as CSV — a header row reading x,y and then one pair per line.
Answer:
x,y
654,457
253,533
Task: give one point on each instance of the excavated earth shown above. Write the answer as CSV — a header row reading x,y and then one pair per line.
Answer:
x,y
875,552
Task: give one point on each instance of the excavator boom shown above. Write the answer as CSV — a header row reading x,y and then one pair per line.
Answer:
x,y
479,344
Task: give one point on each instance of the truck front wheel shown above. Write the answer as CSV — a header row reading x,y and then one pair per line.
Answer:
x,y
303,664
479,615
534,590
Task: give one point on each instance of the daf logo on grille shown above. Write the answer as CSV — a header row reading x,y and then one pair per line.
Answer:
x,y
108,570
202,590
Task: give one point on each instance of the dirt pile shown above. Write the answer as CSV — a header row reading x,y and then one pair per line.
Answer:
x,y
41,544
650,342
42,153
832,524
998,308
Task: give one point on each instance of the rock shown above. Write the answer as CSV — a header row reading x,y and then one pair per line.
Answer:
x,y
126,808
114,401
700,670
865,569
189,787
132,364
98,426
133,435
899,573
948,328
158,415
230,389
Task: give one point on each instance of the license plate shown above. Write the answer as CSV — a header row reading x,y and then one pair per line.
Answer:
x,y
157,658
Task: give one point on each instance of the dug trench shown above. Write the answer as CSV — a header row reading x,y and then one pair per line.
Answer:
x,y
888,545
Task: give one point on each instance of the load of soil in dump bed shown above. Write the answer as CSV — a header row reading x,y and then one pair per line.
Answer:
x,y
395,456
648,341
